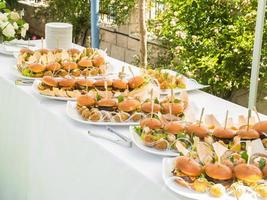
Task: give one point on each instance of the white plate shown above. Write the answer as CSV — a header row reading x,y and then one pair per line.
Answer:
x,y
139,143
35,90
74,114
169,180
191,84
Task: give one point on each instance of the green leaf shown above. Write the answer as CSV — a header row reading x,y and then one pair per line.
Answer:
x,y
2,5
120,98
262,163
98,97
244,155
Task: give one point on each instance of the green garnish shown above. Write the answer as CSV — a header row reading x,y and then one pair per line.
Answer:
x,y
120,98
231,159
98,97
262,163
176,101
244,155
156,101
27,72
138,130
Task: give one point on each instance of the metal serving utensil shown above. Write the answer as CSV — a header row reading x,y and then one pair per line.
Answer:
x,y
120,141
126,140
23,82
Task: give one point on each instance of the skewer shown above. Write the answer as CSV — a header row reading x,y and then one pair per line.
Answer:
x,y
152,103
131,70
249,115
171,104
106,88
42,41
257,114
121,74
226,119
201,116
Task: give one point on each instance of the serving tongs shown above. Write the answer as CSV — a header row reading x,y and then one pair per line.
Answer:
x,y
24,82
122,140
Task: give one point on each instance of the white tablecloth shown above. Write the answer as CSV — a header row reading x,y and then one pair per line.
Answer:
x,y
46,156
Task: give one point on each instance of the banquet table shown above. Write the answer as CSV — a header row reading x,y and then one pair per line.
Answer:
x,y
45,155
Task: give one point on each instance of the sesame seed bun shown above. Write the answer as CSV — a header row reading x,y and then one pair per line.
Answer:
x,y
218,171
107,103
84,63
66,82
53,66
151,123
98,60
69,65
26,50
119,84
147,107
36,68
197,130
248,134
176,108
73,51
261,126
136,82
129,105
101,83
188,166
50,81
85,100
174,127
85,83
247,173
223,133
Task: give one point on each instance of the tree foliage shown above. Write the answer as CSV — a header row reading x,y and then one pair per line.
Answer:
x,y
210,40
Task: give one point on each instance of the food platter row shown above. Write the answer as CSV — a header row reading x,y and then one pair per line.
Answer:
x,y
204,158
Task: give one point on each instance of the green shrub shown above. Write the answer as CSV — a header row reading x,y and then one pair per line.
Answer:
x,y
211,41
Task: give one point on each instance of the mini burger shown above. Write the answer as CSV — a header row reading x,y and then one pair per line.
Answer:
x,y
247,173
107,104
98,60
43,51
73,51
129,105
53,66
48,82
37,69
151,123
187,168
174,127
119,85
85,100
136,82
174,108
218,173
146,107
100,84
68,66
198,130
249,134
85,63
26,51
223,134
84,84
66,83
261,127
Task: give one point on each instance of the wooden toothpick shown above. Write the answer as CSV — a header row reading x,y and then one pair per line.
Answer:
x,y
131,70
42,41
249,115
152,103
226,119
257,114
201,116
